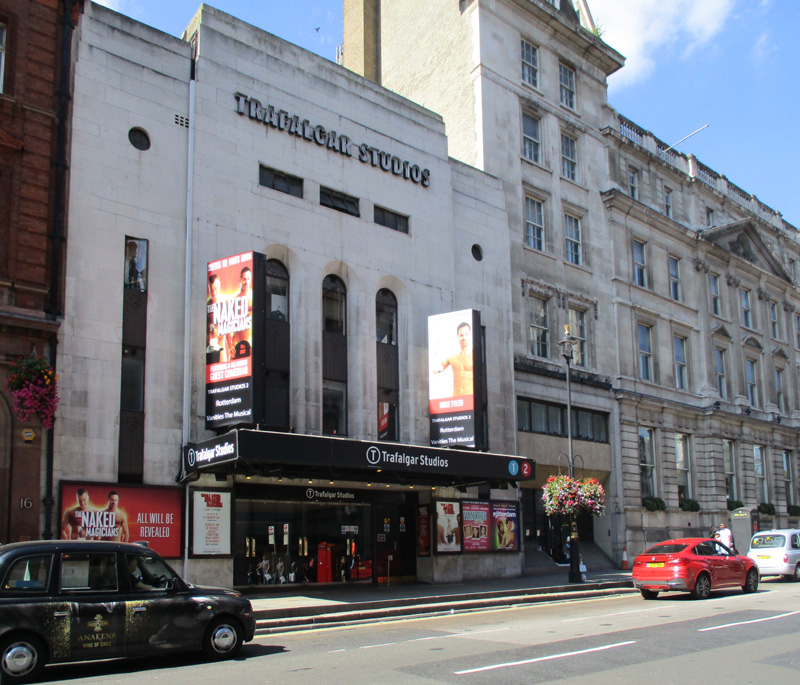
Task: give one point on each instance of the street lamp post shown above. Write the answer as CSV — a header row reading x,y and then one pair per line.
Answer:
x,y
566,344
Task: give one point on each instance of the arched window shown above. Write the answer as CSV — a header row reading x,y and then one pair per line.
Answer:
x,y
334,305
388,371
386,317
334,356
277,291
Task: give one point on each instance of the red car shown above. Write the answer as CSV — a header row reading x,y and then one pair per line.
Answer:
x,y
696,565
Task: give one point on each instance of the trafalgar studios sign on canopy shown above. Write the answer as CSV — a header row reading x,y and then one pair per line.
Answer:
x,y
233,340
455,364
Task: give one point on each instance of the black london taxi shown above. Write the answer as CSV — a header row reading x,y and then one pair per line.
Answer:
x,y
77,600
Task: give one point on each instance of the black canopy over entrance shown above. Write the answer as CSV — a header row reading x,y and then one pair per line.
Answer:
x,y
290,455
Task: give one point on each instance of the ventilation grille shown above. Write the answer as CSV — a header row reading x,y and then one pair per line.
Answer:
x,y
182,121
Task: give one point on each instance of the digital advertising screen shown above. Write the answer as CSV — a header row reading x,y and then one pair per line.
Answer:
x,y
454,366
235,301
505,526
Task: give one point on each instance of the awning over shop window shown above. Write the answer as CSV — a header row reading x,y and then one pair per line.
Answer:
x,y
290,455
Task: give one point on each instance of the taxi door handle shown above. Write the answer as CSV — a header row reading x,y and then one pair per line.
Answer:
x,y
60,614
139,610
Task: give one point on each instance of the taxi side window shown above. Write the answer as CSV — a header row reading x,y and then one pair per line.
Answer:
x,y
89,572
29,574
147,572
795,541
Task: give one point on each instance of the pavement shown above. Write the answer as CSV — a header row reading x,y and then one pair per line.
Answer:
x,y
293,607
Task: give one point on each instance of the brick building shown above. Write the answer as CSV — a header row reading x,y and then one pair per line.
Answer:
x,y
34,43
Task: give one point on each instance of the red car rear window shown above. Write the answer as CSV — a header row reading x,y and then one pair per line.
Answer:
x,y
671,548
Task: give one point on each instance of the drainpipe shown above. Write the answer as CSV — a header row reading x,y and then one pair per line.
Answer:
x,y
53,306
187,309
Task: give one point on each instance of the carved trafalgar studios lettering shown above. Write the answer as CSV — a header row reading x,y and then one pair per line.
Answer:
x,y
302,128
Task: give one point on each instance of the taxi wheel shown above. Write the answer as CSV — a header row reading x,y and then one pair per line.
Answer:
x,y
751,582
793,577
22,658
223,638
702,587
649,594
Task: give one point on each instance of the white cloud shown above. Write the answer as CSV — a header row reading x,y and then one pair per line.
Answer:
x,y
640,29
763,49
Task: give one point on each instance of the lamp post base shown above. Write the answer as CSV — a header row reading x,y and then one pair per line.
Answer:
x,y
575,575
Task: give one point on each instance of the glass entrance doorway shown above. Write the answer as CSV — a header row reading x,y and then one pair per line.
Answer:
x,y
280,541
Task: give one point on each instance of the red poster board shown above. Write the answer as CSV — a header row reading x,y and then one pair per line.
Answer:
x,y
109,511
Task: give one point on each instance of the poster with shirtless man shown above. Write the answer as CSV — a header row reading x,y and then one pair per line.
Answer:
x,y
235,306
454,368
108,511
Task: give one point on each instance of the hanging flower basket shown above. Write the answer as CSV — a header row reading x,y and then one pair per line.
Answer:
x,y
34,385
565,495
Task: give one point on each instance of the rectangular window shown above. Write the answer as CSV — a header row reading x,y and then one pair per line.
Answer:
x,y
135,269
334,408
722,382
675,279
338,201
779,396
633,183
788,476
3,34
390,219
716,302
751,381
569,157
572,236
530,64
639,264
679,354
644,334
709,217
530,138
566,78
683,466
774,320
747,314
534,224
668,202
539,329
760,470
647,462
797,331
577,329
551,419
729,467
277,180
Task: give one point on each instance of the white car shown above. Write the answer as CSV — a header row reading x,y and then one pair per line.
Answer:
x,y
777,553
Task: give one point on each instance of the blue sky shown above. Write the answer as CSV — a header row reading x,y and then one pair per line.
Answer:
x,y
732,64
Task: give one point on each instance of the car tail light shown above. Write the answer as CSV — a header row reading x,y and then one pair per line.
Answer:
x,y
678,561
785,558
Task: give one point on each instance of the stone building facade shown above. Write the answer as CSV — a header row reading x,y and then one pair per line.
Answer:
x,y
230,140
522,88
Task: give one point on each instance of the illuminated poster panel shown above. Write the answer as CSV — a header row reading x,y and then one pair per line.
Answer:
x,y
109,511
454,364
448,526
505,527
235,294
211,522
476,526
